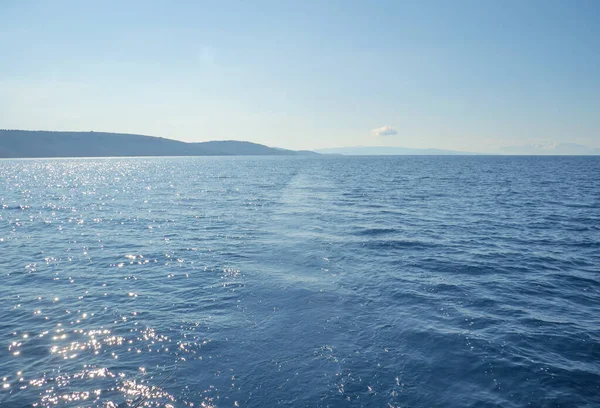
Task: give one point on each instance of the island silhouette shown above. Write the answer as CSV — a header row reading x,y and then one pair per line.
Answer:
x,y
40,144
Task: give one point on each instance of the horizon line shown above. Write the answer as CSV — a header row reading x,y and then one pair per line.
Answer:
x,y
322,151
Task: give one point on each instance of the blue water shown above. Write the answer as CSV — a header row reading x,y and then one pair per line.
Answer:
x,y
300,282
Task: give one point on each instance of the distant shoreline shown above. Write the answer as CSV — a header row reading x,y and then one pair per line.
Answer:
x,y
22,144
38,144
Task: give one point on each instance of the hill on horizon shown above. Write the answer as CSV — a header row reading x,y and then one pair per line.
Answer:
x,y
556,149
41,143
388,151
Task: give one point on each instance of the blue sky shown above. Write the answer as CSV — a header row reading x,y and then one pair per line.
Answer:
x,y
463,75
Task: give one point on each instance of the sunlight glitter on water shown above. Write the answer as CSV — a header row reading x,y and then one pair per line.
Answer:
x,y
309,282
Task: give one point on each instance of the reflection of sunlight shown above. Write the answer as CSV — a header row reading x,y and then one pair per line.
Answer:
x,y
102,385
80,334
132,391
136,391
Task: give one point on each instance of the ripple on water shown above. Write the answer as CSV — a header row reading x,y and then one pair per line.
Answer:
x,y
407,281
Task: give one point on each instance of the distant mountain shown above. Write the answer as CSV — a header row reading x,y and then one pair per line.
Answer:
x,y
388,150
24,143
567,149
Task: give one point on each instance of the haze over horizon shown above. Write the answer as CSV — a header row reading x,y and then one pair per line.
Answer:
x,y
467,76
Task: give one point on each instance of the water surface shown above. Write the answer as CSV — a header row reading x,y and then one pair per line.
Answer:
x,y
317,282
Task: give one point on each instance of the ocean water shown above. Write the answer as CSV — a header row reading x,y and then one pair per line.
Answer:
x,y
300,282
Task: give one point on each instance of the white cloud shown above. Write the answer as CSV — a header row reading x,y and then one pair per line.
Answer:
x,y
386,130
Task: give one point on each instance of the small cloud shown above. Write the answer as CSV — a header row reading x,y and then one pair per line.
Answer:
x,y
386,130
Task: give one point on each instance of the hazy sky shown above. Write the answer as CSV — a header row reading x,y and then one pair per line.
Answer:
x,y
465,75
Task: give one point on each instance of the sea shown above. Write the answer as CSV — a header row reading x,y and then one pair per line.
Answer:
x,y
309,281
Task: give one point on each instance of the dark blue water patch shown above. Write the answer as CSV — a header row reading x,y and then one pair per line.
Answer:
x,y
398,245
369,232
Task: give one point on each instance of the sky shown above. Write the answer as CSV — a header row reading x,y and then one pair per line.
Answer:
x,y
462,75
